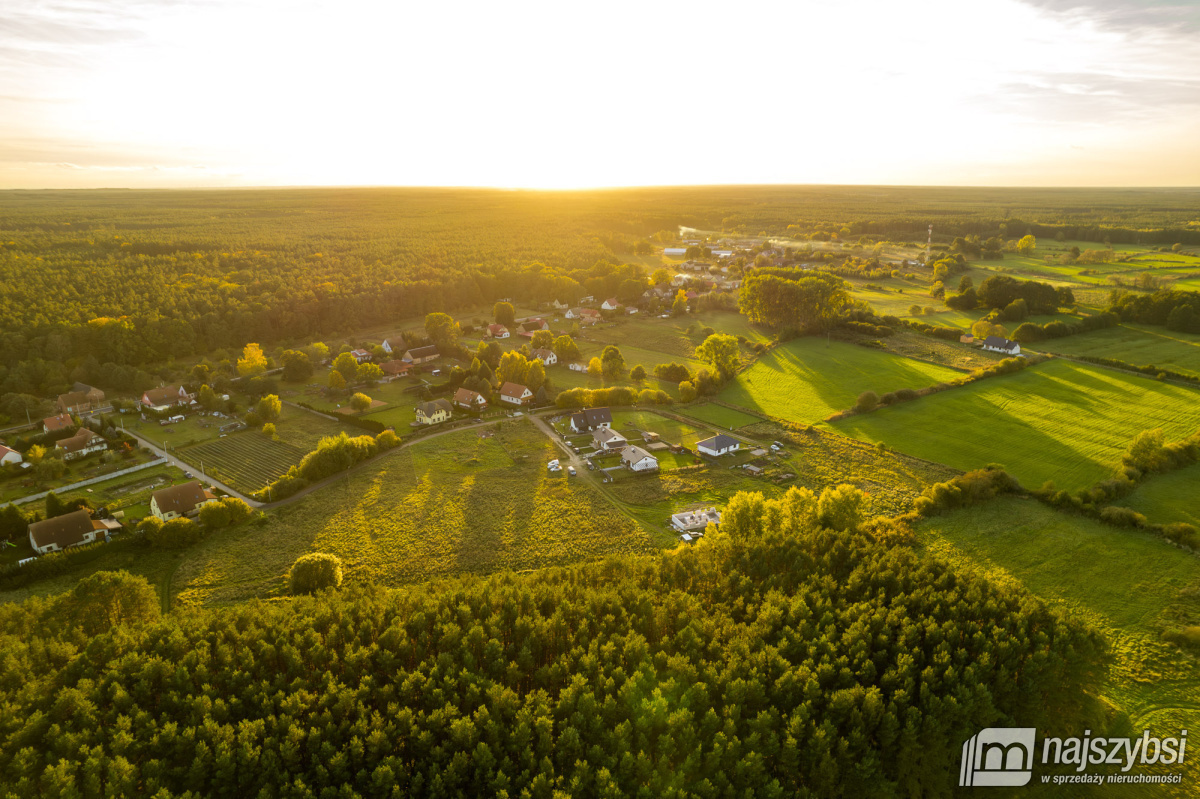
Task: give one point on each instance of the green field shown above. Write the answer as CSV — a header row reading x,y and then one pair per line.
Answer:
x,y
1141,345
246,461
670,430
1129,585
1059,421
456,504
719,415
1167,498
808,379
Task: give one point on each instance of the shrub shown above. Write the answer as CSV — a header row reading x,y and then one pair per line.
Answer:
x,y
387,440
1122,517
314,572
108,598
867,401
174,534
360,401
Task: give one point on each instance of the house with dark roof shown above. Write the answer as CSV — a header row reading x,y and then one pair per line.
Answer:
x,y
588,419
435,411
638,460
419,355
607,439
162,398
185,499
80,445
718,445
83,399
54,424
998,344
69,530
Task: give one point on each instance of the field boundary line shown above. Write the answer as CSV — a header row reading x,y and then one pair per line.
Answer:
x,y
91,481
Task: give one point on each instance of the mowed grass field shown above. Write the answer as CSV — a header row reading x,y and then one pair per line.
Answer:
x,y
1059,421
1136,344
455,504
1129,585
1167,498
808,379
719,415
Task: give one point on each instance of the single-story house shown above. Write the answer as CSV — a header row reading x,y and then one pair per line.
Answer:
x,y
608,439
638,460
420,355
53,424
515,394
611,304
435,411
82,400
185,499
68,530
8,456
582,313
718,445
534,324
498,331
674,250
362,356
577,366
695,519
471,400
997,344
80,445
547,357
394,369
590,419
162,398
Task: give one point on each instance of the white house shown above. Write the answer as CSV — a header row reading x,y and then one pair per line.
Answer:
x,y
435,411
68,530
547,357
674,250
558,306
608,439
611,304
8,456
361,356
997,344
680,279
498,331
515,394
387,346
162,398
577,366
638,460
695,519
590,419
470,400
185,499
718,445
80,445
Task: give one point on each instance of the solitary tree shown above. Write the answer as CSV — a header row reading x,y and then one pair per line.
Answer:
x,y
360,402
347,365
566,349
679,306
252,362
1026,245
368,373
297,366
336,381
441,328
612,363
314,572
269,408
504,313
721,351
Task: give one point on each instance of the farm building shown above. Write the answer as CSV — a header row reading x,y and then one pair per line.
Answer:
x,y
420,355
68,530
674,250
753,470
361,356
997,344
547,357
80,400
498,331
966,339
533,325
589,419
583,314
577,366
185,499
611,304
695,519
80,445
394,369
718,445
638,460
53,424
8,456
470,400
515,394
608,439
435,411
160,399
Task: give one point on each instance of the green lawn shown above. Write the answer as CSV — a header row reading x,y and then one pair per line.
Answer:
x,y
1129,585
808,379
670,430
1142,345
719,415
1059,421
1170,497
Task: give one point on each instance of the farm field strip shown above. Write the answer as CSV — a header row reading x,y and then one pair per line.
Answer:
x,y
1135,344
247,461
1060,421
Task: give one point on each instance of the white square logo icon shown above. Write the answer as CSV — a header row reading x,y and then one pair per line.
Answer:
x,y
998,756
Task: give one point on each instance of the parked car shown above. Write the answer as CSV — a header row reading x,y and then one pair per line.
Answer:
x,y
571,470
187,474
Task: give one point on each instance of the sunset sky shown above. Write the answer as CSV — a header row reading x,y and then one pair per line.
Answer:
x,y
561,95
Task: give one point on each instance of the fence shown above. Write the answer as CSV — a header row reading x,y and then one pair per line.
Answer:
x,y
91,481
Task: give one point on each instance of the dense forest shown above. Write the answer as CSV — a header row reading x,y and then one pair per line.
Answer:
x,y
125,278
797,652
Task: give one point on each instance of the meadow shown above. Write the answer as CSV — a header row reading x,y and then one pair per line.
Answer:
x,y
462,503
718,415
1167,498
1060,421
1132,586
808,379
1141,345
